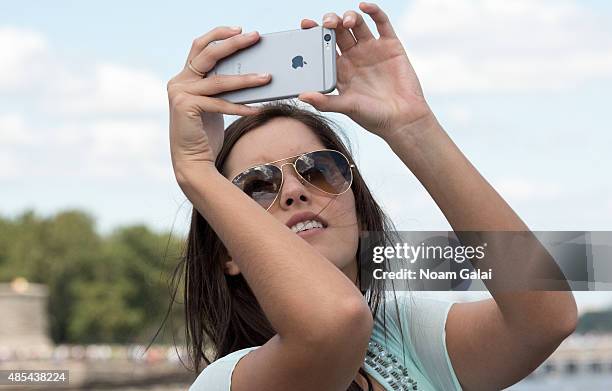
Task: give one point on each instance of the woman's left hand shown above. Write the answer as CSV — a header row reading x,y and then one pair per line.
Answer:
x,y
377,86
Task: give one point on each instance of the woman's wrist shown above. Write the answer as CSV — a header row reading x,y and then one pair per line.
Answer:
x,y
415,135
186,173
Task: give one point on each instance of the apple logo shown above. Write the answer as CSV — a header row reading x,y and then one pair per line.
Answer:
x,y
298,61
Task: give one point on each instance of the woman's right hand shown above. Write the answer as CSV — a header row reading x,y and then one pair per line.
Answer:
x,y
196,118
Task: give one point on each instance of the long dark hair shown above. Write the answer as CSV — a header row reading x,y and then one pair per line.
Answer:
x,y
221,311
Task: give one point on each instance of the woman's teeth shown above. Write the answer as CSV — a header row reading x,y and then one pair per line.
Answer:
x,y
304,225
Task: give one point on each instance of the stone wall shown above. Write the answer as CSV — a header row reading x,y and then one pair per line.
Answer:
x,y
23,316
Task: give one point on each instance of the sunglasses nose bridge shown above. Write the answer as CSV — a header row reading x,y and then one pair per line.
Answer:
x,y
295,172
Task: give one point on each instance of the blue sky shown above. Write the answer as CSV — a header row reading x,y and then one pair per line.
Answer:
x,y
522,87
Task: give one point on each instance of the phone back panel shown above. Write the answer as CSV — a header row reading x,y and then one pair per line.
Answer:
x,y
294,58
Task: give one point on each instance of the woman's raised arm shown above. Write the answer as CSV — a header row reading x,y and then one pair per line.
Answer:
x,y
319,314
508,336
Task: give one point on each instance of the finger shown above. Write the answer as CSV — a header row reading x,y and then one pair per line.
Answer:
x,y
221,83
308,23
344,38
323,102
217,105
213,105
221,32
218,33
383,25
354,21
207,59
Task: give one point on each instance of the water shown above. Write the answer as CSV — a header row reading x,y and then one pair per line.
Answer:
x,y
561,383
591,382
165,387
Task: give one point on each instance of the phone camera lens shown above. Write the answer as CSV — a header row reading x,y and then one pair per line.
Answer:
x,y
327,37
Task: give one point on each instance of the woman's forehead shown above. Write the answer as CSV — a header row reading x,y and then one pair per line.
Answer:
x,y
275,140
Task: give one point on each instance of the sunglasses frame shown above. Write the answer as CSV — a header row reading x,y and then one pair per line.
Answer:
x,y
300,177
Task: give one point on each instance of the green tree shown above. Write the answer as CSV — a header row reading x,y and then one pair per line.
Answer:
x,y
101,289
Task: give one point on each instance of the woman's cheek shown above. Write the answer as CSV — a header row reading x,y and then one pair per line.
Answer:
x,y
346,238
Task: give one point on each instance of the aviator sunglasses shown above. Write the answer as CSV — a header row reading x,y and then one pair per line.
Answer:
x,y
326,170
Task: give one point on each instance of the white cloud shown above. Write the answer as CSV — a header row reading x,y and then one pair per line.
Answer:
x,y
13,130
505,46
22,53
15,137
129,147
458,113
110,149
112,89
29,68
609,207
9,168
89,119
519,189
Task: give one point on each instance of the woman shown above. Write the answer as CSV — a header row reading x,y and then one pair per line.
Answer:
x,y
271,275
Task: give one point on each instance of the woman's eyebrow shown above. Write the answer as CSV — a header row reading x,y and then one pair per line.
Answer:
x,y
255,162
262,159
246,167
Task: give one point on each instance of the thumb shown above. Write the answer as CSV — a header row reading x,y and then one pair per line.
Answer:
x,y
323,102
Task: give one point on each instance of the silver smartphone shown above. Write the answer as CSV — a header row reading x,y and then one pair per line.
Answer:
x,y
298,60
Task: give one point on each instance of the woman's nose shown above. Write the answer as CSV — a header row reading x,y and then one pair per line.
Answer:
x,y
294,190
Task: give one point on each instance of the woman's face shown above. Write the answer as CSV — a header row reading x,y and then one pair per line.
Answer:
x,y
281,138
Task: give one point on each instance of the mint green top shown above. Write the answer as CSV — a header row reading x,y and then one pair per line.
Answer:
x,y
426,361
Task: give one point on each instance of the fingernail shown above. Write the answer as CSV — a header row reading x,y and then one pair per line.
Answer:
x,y
251,34
236,28
327,19
263,75
349,19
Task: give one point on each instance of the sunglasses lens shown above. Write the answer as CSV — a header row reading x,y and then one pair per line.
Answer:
x,y
329,171
261,183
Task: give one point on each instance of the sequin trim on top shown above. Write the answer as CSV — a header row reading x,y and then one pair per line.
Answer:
x,y
388,366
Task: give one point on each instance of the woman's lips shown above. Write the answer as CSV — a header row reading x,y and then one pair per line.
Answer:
x,y
310,232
